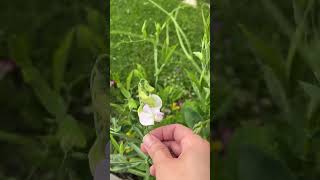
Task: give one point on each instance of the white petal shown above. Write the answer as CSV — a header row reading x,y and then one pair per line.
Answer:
x,y
158,101
147,109
146,119
158,116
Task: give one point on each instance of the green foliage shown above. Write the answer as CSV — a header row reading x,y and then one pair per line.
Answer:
x,y
166,60
256,164
70,134
279,100
60,58
47,128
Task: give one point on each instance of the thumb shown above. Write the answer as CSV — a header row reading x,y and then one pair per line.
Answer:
x,y
156,149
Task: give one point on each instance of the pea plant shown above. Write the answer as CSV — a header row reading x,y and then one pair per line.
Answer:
x,y
142,101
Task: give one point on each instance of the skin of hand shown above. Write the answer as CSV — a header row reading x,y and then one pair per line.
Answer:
x,y
177,153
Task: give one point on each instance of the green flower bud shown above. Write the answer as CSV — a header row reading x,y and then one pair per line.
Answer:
x,y
147,87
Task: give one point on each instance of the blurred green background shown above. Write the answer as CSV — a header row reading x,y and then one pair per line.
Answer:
x,y
47,52
266,89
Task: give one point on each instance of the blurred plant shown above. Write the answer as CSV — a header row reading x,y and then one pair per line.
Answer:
x,y
50,129
284,145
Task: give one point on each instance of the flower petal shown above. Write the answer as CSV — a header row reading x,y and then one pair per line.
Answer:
x,y
147,109
158,116
146,119
158,101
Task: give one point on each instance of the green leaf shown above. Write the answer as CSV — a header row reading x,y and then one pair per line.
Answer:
x,y
298,37
262,137
121,148
20,51
312,90
136,172
128,81
276,89
138,74
192,76
117,107
70,134
256,164
96,154
88,39
147,174
190,115
16,139
144,29
198,55
196,90
124,92
138,151
314,93
60,59
141,71
169,55
52,101
297,11
176,93
115,143
147,87
132,104
267,53
164,94
312,54
282,21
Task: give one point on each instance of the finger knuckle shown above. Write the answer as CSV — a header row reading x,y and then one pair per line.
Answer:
x,y
156,149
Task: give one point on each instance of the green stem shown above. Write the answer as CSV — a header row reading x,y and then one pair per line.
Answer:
x,y
136,172
148,40
155,50
14,139
180,33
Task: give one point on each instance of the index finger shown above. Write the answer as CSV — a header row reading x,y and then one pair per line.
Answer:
x,y
173,132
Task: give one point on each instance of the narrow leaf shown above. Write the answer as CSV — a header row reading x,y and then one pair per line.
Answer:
x,y
60,59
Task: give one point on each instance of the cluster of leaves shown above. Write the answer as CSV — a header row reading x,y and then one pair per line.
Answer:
x,y
279,137
185,101
47,112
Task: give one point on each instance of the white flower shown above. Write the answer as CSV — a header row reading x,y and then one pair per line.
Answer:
x,y
149,114
191,2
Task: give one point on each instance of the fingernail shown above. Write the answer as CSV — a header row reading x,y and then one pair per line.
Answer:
x,y
148,140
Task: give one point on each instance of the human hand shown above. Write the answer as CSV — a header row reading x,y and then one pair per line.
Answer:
x,y
177,153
